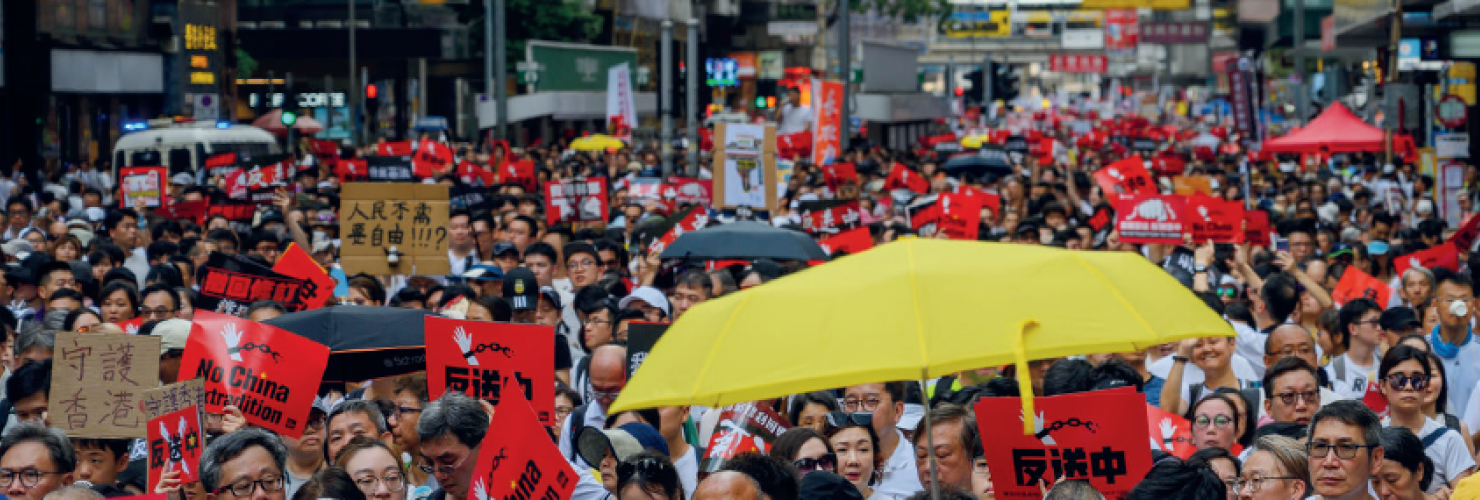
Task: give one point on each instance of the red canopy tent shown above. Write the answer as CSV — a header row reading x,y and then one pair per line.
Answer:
x,y
1337,129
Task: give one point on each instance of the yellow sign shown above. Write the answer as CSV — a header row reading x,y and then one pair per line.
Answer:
x,y
1465,71
199,37
202,78
201,62
1135,4
1002,23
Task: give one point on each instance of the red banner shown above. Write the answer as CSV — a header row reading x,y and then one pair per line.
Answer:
x,y
1077,63
1215,219
902,177
257,184
576,201
175,442
1169,433
520,172
1151,218
793,146
518,460
683,190
1169,164
269,374
181,210
743,428
1464,237
844,215
1121,31
694,221
325,151
1256,227
1099,436
1356,284
220,164
838,174
828,101
131,327
318,286
1443,255
354,170
402,148
430,159
1125,176
482,358
148,183
472,173
852,241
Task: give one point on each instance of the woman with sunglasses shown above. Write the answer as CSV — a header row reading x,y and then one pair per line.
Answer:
x,y
1404,376
1406,471
1215,422
648,476
807,449
853,438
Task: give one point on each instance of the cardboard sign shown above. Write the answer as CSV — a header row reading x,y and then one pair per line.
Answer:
x,y
745,166
402,148
852,242
430,159
317,287
581,200
828,215
410,219
1443,255
1169,433
389,169
1257,227
901,177
692,220
175,442
518,460
489,360
147,183
743,428
1190,185
1099,436
641,337
1125,176
1151,218
161,401
228,285
1356,284
269,374
1215,219
96,383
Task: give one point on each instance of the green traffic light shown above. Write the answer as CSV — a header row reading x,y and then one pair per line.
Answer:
x,y
289,118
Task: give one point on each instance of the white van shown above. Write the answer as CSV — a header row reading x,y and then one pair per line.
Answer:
x,y
184,147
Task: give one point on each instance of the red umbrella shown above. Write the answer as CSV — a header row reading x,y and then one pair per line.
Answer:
x,y
273,122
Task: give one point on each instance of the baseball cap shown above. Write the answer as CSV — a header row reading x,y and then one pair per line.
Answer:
x,y
17,248
1398,318
652,296
484,272
182,179
504,246
83,236
172,333
551,295
521,289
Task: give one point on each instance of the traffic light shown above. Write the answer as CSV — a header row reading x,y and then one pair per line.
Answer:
x,y
371,92
289,118
1004,82
977,84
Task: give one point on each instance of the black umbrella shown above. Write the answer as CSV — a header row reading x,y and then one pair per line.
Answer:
x,y
744,240
364,342
988,160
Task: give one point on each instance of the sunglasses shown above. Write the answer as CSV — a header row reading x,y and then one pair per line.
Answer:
x,y
828,463
1396,381
654,469
1227,292
841,419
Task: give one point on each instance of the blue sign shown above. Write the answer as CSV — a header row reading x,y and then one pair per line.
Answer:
x,y
721,72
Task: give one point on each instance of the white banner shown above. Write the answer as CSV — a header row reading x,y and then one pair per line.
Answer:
x,y
619,98
1083,38
1452,145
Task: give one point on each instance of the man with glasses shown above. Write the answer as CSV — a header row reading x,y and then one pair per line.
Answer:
x,y
451,432
583,267
1291,393
1345,450
34,461
886,403
248,463
1349,373
608,370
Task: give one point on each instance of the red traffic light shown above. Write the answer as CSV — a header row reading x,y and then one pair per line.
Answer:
x,y
371,92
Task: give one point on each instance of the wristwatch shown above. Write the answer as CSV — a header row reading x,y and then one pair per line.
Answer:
x,y
1199,268
1176,358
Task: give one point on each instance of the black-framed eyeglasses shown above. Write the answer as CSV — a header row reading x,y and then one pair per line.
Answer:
x,y
1255,483
1219,421
245,488
841,419
654,469
160,312
827,462
867,403
1310,397
1397,381
392,482
29,477
404,409
1344,451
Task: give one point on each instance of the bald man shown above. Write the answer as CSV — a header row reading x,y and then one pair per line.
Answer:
x,y
728,485
607,375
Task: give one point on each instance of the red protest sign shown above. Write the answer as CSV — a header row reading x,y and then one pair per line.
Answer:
x,y
743,428
829,215
483,358
518,460
325,151
989,199
1464,237
851,241
520,172
1443,255
798,145
175,443
1256,227
353,170
472,173
269,374
317,287
1374,399
179,209
1151,218
1215,219
1169,433
576,201
1169,164
257,184
1125,176
696,219
147,183
1099,436
902,177
402,148
221,163
960,216
1103,216
837,174
431,158
683,190
1356,284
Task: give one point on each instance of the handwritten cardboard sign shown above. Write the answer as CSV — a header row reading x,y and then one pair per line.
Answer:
x,y
1099,436
269,374
97,381
318,286
1151,218
641,337
1215,219
489,361
743,428
581,200
175,442
229,285
518,460
147,183
410,219
161,401
1356,284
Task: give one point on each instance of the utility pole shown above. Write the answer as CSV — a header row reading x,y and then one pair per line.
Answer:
x,y
665,99
845,56
353,94
500,38
292,150
1302,104
691,108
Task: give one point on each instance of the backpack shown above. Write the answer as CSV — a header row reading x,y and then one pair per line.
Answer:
x,y
1433,437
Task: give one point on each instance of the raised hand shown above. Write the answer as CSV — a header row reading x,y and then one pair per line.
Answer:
x,y
465,342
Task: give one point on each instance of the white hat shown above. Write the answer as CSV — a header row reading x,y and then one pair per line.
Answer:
x,y
173,334
1424,207
95,214
913,412
647,294
182,179
17,248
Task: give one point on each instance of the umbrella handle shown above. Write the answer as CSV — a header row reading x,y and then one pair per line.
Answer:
x,y
1025,383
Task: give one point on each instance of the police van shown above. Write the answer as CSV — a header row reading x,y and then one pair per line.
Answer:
x,y
184,147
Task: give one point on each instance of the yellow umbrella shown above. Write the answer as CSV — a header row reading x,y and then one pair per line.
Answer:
x,y
596,142
916,309
974,141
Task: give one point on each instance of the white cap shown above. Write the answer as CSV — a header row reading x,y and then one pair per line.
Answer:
x,y
913,413
95,214
652,296
1424,207
182,179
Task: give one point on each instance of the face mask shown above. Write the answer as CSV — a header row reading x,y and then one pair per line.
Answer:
x,y
1459,308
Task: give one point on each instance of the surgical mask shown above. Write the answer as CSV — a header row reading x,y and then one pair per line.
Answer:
x,y
1459,308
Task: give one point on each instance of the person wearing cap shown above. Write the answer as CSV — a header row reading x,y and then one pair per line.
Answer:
x,y
460,243
486,278
505,255
173,334
649,300
605,448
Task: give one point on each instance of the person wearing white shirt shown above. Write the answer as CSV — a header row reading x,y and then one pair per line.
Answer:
x,y
1454,342
1349,373
1406,374
1214,356
886,401
794,116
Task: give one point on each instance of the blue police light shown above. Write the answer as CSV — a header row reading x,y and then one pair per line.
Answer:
x,y
135,126
223,124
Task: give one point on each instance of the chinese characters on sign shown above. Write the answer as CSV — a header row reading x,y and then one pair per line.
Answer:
x,y
825,140
141,182
175,442
388,169
743,428
1098,436
269,374
171,398
1077,63
518,460
576,201
1174,32
394,228
489,361
97,381
229,285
